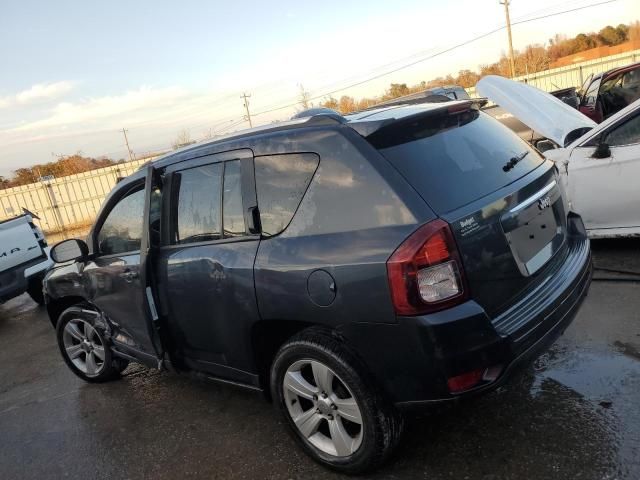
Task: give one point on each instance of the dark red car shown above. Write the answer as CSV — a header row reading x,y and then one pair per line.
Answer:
x,y
607,93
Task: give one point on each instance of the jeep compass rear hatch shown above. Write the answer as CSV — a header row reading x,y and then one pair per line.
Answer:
x,y
499,196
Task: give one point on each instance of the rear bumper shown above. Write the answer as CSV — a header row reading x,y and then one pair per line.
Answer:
x,y
518,354
414,359
14,282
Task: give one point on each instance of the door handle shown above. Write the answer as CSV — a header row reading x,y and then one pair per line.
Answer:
x,y
129,275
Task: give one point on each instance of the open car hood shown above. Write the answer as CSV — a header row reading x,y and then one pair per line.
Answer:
x,y
539,110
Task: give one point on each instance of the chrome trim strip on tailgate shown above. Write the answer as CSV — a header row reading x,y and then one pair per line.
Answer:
x,y
533,198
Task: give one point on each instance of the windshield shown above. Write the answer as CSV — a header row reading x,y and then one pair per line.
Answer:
x,y
452,160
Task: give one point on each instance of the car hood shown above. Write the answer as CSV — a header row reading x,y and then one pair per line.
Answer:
x,y
539,110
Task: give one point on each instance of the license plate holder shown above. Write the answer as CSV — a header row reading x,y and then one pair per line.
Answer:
x,y
534,234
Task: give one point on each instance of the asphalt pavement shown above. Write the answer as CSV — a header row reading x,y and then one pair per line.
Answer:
x,y
575,413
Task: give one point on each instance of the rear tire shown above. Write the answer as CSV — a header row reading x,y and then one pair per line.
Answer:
x,y
34,289
332,405
84,348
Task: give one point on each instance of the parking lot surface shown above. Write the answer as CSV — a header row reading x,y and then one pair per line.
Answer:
x,y
575,413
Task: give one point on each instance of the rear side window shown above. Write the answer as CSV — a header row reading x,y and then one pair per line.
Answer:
x,y
198,204
281,181
454,159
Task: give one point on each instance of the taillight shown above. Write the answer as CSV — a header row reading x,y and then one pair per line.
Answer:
x,y
425,272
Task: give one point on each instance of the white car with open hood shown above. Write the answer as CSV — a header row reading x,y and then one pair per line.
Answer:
x,y
599,163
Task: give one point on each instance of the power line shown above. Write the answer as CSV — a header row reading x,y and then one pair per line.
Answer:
x,y
375,77
228,127
388,72
437,54
563,12
544,11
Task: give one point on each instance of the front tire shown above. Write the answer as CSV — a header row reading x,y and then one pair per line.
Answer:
x,y
84,348
332,405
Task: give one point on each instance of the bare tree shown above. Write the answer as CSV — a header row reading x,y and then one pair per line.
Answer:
x,y
182,140
304,98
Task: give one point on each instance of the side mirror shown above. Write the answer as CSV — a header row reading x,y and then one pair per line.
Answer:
x,y
573,102
601,151
545,145
68,250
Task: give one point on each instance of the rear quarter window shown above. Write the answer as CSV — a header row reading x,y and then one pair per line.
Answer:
x,y
281,181
454,159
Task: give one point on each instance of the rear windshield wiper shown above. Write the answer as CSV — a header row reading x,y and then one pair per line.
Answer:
x,y
513,161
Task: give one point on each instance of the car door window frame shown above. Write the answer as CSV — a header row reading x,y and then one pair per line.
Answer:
x,y
618,124
602,135
594,85
247,185
136,186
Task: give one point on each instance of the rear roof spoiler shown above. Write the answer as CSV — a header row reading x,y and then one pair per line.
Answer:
x,y
367,128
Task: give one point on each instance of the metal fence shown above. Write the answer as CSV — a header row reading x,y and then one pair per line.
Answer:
x,y
573,75
73,201
67,202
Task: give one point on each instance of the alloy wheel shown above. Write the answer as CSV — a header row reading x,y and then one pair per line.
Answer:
x,y
84,346
323,408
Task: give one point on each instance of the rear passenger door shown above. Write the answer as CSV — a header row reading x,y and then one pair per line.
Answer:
x,y
205,269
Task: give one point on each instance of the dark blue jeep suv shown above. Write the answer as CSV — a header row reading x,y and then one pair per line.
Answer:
x,y
349,267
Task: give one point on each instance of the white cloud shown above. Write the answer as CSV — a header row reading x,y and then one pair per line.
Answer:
x,y
102,108
39,92
44,91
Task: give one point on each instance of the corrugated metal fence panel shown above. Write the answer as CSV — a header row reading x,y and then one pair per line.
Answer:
x,y
75,200
573,75
65,202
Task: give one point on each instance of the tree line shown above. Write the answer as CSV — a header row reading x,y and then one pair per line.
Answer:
x,y
67,165
531,59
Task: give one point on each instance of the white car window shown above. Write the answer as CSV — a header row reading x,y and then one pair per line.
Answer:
x,y
626,134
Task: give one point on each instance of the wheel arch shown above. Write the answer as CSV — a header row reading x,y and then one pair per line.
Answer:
x,y
55,306
267,336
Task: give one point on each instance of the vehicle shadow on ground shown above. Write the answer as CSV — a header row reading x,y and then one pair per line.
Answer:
x,y
534,428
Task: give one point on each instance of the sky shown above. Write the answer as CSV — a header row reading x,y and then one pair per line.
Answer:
x,y
73,74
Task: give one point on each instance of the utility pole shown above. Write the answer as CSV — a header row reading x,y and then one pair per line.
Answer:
x,y
124,131
244,96
511,58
